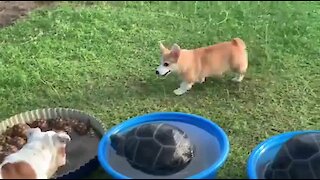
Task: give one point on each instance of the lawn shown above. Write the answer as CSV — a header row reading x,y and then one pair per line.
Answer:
x,y
102,59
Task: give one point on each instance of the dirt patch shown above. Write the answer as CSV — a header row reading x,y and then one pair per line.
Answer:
x,y
10,11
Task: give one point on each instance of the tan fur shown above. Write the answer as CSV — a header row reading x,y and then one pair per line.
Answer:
x,y
195,65
18,170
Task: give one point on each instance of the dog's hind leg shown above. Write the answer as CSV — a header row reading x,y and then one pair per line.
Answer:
x,y
240,72
240,65
202,80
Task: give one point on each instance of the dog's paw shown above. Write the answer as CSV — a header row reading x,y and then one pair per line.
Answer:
x,y
203,80
237,79
179,91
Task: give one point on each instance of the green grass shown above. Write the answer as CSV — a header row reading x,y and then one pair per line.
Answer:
x,y
102,59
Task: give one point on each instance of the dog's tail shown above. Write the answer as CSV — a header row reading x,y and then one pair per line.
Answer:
x,y
239,43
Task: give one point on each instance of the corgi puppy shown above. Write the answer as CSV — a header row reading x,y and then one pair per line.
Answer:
x,y
195,65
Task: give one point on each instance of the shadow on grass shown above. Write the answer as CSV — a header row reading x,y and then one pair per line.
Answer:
x,y
157,88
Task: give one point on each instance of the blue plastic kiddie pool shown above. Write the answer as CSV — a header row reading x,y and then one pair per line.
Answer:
x,y
174,117
266,151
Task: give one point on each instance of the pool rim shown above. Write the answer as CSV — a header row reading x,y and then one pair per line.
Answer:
x,y
151,117
266,144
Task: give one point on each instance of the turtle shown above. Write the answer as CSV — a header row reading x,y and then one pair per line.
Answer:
x,y
155,148
298,158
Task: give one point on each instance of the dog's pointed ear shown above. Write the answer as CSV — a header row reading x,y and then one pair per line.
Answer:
x,y
175,50
162,48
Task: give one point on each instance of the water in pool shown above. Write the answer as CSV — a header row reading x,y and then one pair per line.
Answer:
x,y
207,152
265,159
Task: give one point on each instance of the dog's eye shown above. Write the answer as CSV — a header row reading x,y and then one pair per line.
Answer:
x,y
165,64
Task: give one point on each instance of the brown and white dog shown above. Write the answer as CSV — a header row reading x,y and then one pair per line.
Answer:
x,y
39,158
195,65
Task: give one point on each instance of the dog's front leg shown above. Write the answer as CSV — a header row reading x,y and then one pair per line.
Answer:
x,y
202,80
184,87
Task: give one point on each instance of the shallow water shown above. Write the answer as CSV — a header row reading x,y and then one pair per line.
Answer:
x,y
265,159
207,152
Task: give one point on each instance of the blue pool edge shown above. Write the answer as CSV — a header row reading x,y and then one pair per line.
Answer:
x,y
255,154
207,173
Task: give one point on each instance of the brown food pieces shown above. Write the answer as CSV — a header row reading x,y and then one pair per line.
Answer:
x,y
92,133
58,124
69,125
18,142
67,129
81,128
42,124
9,148
9,143
3,139
20,130
73,122
8,132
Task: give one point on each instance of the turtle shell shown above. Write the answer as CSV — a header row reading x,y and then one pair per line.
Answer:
x,y
298,158
158,148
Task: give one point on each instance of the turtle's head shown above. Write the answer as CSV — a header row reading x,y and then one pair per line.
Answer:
x,y
117,143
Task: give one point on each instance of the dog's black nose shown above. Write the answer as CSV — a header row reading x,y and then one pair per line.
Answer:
x,y
157,72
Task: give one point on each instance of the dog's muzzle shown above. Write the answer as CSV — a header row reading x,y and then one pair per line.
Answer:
x,y
158,73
